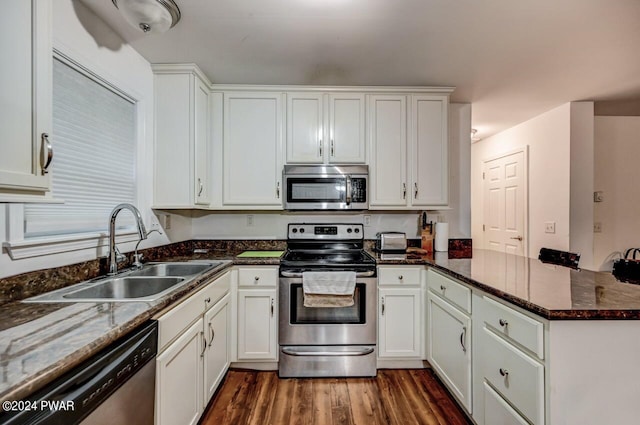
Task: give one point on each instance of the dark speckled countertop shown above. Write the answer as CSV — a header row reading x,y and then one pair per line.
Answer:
x,y
553,292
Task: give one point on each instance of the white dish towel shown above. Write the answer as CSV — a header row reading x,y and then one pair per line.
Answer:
x,y
328,289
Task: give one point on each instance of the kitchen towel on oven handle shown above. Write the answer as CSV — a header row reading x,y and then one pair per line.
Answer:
x,y
627,269
328,289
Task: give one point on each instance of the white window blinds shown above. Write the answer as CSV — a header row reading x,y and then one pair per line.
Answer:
x,y
93,169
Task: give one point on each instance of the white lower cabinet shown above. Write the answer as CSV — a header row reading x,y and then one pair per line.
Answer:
x,y
193,346
179,379
497,411
216,356
449,347
257,313
399,312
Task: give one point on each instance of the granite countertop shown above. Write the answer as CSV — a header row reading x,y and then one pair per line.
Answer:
x,y
553,292
40,342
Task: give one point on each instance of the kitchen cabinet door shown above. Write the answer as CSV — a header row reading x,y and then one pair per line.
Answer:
x,y
388,152
252,150
399,324
429,151
216,357
346,128
305,123
257,321
25,111
449,347
182,151
179,381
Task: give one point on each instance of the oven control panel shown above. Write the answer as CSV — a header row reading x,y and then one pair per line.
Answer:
x,y
328,231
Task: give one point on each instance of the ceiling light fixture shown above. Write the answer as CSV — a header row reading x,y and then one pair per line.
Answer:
x,y
150,16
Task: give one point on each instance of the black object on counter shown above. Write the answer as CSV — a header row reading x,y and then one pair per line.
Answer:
x,y
561,258
627,269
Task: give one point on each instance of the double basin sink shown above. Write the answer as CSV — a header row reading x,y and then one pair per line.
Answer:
x,y
146,284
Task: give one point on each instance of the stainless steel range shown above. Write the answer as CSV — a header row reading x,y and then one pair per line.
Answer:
x,y
327,341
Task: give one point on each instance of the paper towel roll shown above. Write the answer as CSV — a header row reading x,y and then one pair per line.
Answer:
x,y
442,237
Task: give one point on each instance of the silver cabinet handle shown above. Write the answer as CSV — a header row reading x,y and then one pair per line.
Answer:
x,y
463,338
503,322
415,190
278,190
504,372
212,333
383,306
200,186
333,152
518,238
320,148
204,341
45,160
404,191
400,277
271,307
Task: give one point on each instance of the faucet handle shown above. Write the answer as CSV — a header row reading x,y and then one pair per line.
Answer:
x,y
119,256
137,260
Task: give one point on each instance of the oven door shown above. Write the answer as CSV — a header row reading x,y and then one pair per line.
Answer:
x,y
354,325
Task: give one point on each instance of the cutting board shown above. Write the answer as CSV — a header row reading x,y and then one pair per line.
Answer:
x,y
260,254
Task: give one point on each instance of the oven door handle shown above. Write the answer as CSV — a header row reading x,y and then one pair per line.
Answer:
x,y
303,352
299,274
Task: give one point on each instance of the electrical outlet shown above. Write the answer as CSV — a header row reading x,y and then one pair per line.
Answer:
x,y
167,222
597,227
366,220
250,220
550,227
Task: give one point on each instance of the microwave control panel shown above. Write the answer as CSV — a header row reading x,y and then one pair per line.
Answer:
x,y
358,190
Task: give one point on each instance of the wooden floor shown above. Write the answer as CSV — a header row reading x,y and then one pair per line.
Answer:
x,y
402,397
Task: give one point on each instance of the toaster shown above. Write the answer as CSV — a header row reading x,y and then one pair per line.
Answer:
x,y
391,242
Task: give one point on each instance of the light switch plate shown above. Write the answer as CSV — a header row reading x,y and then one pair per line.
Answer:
x,y
550,227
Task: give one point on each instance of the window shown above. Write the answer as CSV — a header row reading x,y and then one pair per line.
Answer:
x,y
94,138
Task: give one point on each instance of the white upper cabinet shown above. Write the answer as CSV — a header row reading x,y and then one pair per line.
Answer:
x,y
325,128
182,142
25,111
429,156
408,145
252,150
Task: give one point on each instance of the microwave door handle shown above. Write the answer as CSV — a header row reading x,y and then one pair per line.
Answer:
x,y
348,200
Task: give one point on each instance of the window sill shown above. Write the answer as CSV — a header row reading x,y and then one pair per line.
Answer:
x,y
36,247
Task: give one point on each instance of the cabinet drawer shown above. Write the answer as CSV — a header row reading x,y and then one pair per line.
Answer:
x,y
172,323
514,375
515,326
399,275
451,290
498,411
251,277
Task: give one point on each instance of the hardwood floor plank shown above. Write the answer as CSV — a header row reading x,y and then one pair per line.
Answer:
x,y
399,397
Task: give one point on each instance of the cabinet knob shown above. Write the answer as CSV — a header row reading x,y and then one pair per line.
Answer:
x,y
504,372
443,288
207,300
256,279
400,277
503,322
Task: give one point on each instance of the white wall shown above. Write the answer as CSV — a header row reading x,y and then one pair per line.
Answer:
x,y
548,139
617,149
79,34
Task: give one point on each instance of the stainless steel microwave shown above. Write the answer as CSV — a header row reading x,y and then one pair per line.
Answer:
x,y
325,187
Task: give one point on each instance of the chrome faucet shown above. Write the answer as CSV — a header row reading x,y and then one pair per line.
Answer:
x,y
114,255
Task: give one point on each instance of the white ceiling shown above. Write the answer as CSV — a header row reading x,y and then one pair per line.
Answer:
x,y
512,59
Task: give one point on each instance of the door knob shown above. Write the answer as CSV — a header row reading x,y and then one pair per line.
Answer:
x,y
519,238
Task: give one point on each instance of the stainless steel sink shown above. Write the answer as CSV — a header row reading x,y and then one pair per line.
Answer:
x,y
172,269
125,288
150,283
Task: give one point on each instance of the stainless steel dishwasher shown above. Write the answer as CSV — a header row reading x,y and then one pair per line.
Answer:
x,y
116,387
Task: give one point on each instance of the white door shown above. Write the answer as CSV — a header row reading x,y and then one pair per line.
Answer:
x,y
449,347
179,380
387,151
216,358
399,327
252,150
346,129
505,194
257,324
305,123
